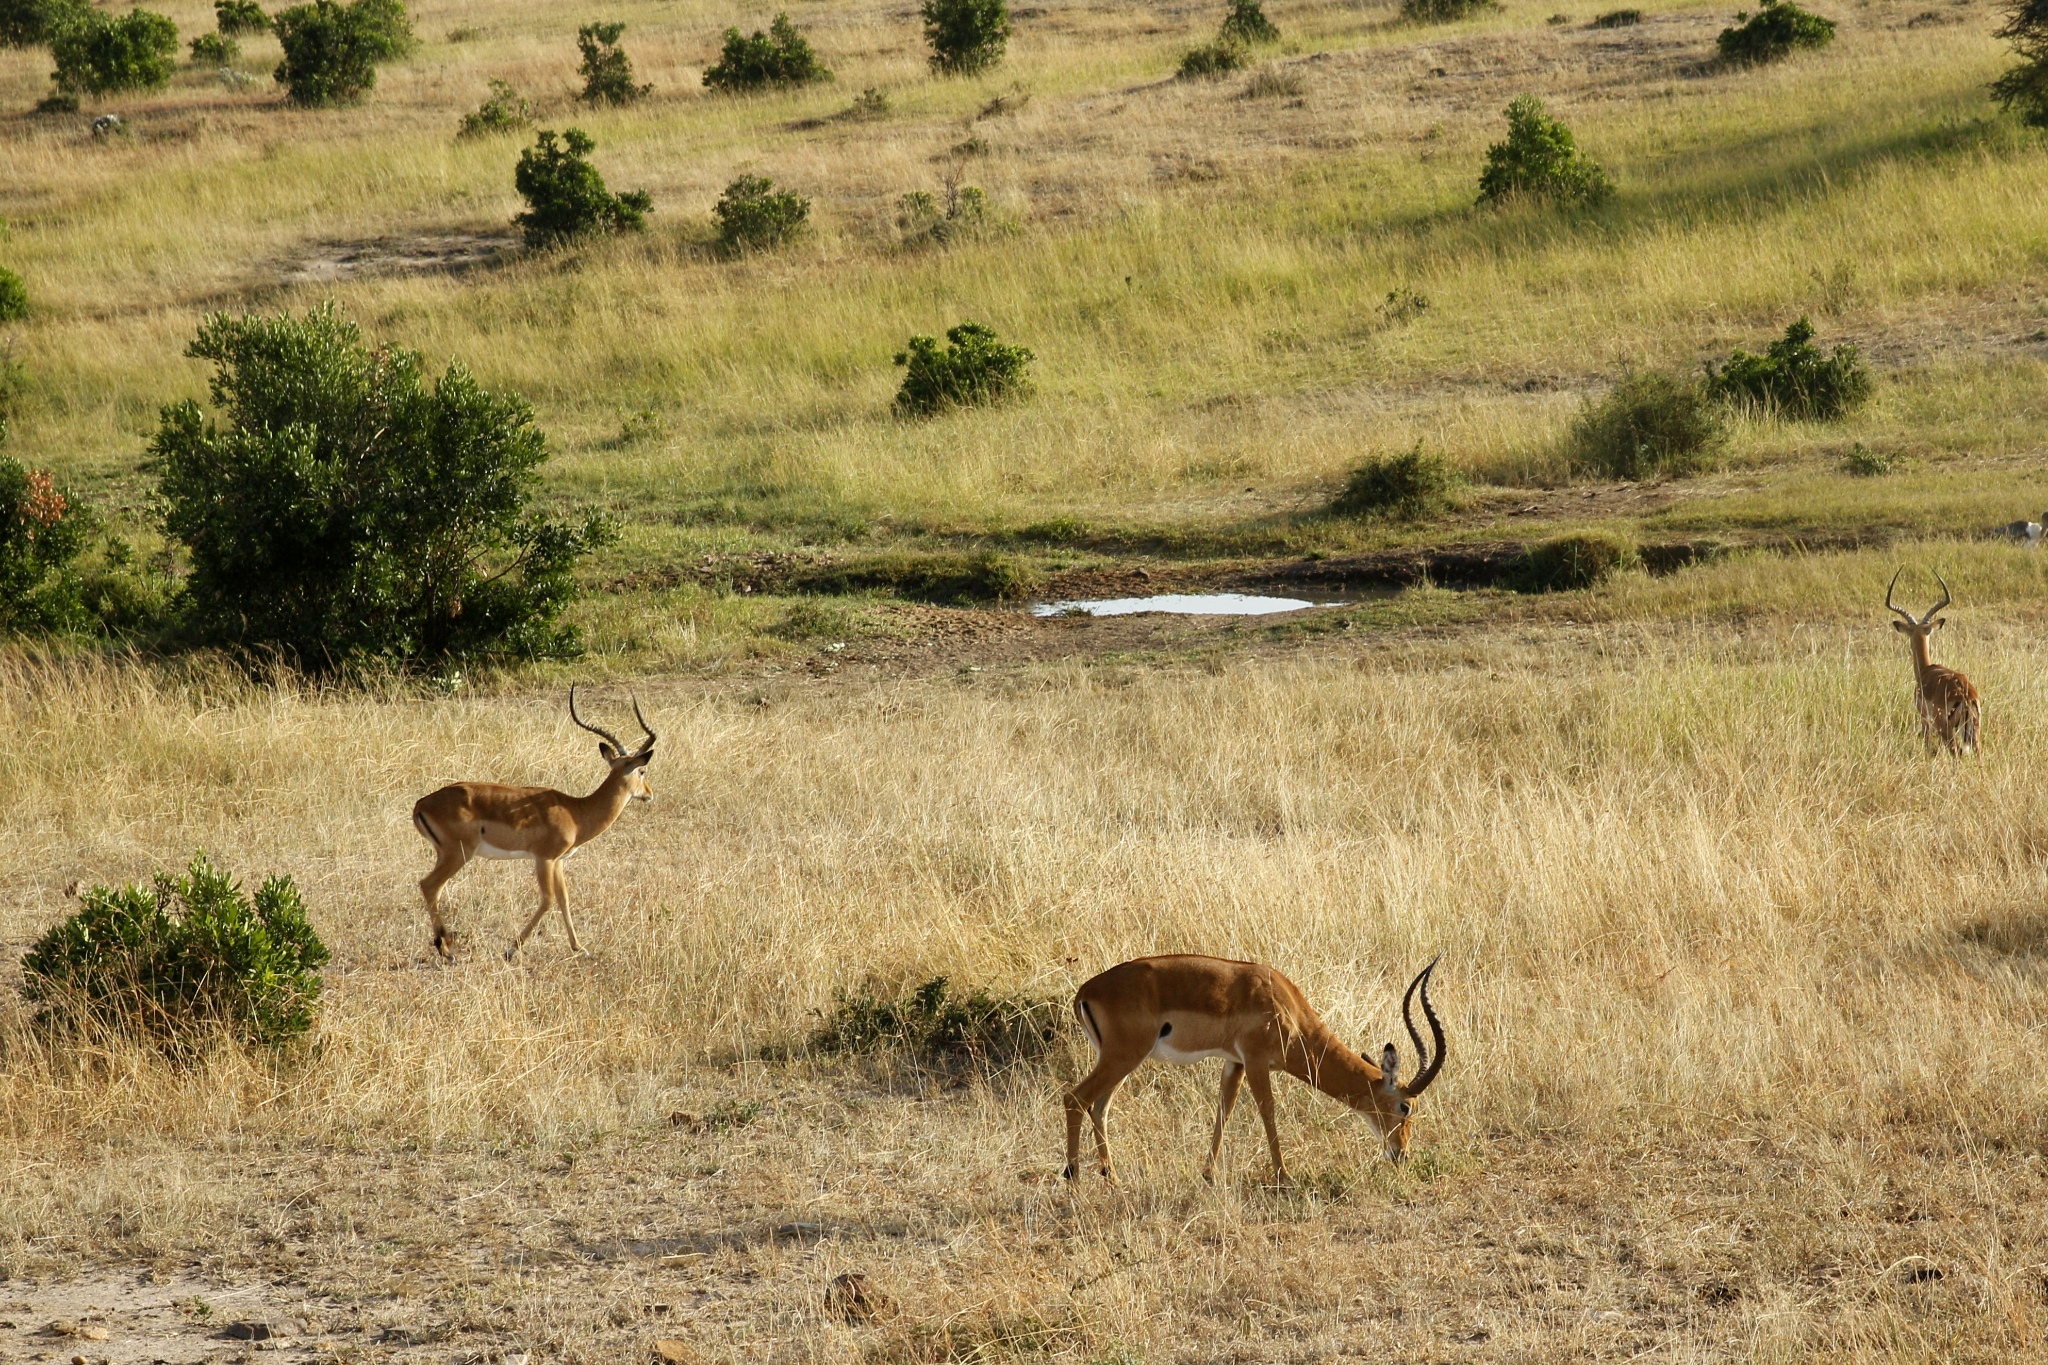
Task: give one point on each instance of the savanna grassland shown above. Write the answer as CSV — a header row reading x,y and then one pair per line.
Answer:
x,y
1744,993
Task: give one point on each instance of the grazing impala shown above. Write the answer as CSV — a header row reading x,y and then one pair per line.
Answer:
x,y
472,819
1947,701
1183,1009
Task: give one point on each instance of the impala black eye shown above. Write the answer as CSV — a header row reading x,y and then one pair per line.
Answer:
x,y
1406,1109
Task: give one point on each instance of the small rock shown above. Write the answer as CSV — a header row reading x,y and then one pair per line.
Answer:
x,y
671,1352
854,1298
247,1331
62,1327
93,1333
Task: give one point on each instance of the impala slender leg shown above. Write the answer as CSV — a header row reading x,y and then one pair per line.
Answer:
x,y
1262,1093
447,862
1091,1097
1098,1114
561,881
1226,1099
543,873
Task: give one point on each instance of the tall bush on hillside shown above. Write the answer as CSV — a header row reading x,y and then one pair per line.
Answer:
x,y
236,17
973,367
42,533
1792,378
781,56
2024,89
1776,30
1412,485
29,23
1651,423
966,36
1540,160
565,195
214,49
189,956
607,71
753,215
506,111
1247,23
385,29
330,53
97,54
344,509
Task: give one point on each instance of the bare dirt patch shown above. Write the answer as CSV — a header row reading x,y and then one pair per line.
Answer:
x,y
450,253
139,1316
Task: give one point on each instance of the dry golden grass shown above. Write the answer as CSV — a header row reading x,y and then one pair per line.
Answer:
x,y
1743,995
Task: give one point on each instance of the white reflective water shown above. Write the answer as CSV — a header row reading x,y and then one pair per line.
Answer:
x,y
1181,604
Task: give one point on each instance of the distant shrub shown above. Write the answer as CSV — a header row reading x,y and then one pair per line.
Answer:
x,y
1793,379
190,956
214,49
1619,18
753,215
966,36
1272,83
330,53
27,23
974,367
781,56
385,29
1651,423
870,103
347,510
1411,486
927,217
565,195
1247,23
97,54
1212,59
1444,11
1866,463
1575,560
1401,305
1776,30
933,1025
1539,159
506,111
13,296
236,17
2024,88
42,533
607,71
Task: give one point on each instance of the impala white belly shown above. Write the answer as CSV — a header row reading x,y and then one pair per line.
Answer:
x,y
1165,1051
485,849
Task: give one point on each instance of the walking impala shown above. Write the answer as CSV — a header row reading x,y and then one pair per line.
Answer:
x,y
1183,1009
1946,700
487,819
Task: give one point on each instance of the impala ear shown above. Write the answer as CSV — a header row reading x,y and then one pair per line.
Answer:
x,y
1940,621
1390,1065
1901,627
606,751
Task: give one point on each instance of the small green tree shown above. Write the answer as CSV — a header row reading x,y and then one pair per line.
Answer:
x,y
384,28
236,17
607,71
97,54
781,56
1792,378
2024,88
329,56
42,533
13,296
966,36
565,195
190,956
345,510
506,111
1247,24
30,23
1539,159
1213,59
1651,423
753,215
973,368
214,49
1776,30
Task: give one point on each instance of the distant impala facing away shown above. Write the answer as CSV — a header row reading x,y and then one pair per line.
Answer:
x,y
484,818
1947,701
1184,1009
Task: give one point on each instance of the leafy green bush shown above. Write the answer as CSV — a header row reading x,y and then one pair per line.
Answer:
x,y
566,197
13,296
347,511
188,957
1866,463
97,54
1444,11
1619,18
1540,159
781,56
945,577
871,103
42,533
973,368
607,71
1411,486
27,23
1651,423
331,51
753,215
1774,31
1212,59
925,217
1793,379
966,36
214,49
236,17
2024,88
1247,24
932,1025
506,111
1575,560
385,29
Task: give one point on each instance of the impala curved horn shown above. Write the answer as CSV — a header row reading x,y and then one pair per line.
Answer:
x,y
595,730
1435,1064
1904,615
1945,600
647,746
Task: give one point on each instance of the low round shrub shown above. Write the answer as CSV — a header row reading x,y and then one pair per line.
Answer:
x,y
934,1025
29,23
753,215
1213,59
1247,23
506,111
97,54
330,54
43,531
13,296
1793,379
973,368
566,196
188,957
1412,486
966,36
1619,18
781,56
1776,30
1651,423
385,29
1575,560
214,49
236,17
1444,11
1540,159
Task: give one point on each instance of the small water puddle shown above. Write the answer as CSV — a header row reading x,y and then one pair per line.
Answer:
x,y
1181,604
